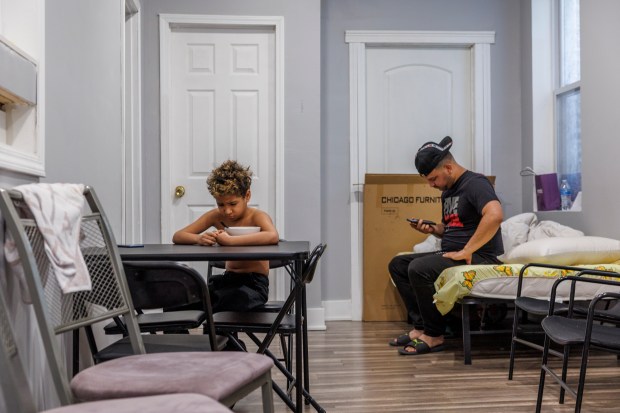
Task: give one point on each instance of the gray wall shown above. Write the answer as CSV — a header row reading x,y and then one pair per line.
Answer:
x,y
83,134
500,16
302,110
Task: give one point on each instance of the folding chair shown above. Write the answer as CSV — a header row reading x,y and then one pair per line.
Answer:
x,y
275,306
568,331
525,306
18,398
251,323
156,285
225,377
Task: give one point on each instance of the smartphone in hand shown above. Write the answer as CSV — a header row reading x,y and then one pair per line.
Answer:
x,y
424,221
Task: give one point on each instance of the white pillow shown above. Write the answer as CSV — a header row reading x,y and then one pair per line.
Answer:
x,y
550,229
515,229
527,218
514,234
430,244
565,251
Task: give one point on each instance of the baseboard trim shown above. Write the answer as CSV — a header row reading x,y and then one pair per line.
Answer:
x,y
338,310
316,319
333,310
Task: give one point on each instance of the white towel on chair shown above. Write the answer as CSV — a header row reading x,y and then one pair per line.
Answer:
x,y
57,210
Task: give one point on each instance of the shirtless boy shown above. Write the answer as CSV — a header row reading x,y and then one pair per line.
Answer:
x,y
245,284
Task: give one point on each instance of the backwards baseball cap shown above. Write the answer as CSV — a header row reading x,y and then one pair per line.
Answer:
x,y
430,154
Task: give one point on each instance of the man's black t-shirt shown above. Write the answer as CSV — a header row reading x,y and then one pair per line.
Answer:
x,y
462,211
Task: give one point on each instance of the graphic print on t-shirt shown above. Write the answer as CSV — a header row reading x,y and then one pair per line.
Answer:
x,y
451,212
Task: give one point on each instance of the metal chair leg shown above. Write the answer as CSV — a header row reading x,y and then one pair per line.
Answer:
x,y
582,376
304,308
513,343
466,333
541,382
564,372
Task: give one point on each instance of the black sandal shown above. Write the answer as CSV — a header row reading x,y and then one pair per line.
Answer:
x,y
400,341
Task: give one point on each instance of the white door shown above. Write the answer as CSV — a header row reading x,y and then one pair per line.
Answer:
x,y
221,107
416,95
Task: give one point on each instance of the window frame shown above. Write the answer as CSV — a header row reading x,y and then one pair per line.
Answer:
x,y
546,89
562,90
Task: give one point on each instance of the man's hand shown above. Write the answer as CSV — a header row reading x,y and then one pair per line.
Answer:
x,y
436,230
461,255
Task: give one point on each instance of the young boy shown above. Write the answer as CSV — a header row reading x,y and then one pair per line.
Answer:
x,y
245,284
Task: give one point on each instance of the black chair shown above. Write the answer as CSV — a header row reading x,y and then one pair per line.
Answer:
x,y
251,323
275,306
566,330
164,285
524,306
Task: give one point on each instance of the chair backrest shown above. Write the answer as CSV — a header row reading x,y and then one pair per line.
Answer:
x,y
17,395
167,284
56,312
163,284
311,263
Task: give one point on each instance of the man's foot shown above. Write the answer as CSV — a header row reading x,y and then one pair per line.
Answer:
x,y
423,345
405,339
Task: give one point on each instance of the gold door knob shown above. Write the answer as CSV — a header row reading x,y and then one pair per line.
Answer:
x,y
179,191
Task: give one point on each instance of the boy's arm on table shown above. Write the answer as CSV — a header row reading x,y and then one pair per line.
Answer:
x,y
268,234
194,232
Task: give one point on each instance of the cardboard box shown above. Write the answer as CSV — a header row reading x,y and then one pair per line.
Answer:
x,y
388,200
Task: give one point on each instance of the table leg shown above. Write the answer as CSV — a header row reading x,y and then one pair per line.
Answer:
x,y
298,340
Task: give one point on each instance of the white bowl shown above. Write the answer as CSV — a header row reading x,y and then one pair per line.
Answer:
x,y
242,230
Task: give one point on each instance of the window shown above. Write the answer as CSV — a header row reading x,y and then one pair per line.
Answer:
x,y
568,95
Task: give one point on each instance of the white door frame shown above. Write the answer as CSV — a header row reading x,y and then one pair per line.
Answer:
x,y
480,45
131,191
166,23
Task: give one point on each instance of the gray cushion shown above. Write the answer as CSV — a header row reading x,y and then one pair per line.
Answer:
x,y
170,403
214,374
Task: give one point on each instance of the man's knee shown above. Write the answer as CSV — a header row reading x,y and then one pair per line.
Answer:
x,y
397,264
426,269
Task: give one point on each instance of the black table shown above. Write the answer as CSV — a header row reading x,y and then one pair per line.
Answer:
x,y
285,250
296,251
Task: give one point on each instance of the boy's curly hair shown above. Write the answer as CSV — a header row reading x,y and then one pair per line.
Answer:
x,y
230,178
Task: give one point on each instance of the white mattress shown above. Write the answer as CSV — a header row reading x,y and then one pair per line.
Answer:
x,y
536,287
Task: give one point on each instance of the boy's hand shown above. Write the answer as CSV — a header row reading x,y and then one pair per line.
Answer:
x,y
207,238
222,237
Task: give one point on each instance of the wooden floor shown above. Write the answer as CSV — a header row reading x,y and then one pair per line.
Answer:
x,y
354,370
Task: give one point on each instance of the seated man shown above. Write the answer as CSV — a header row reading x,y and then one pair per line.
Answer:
x,y
470,234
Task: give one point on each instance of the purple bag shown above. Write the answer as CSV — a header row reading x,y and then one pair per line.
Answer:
x,y
547,192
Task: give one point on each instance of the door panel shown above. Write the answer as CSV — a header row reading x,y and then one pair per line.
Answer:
x,y
416,95
222,102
